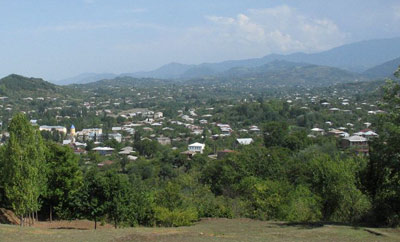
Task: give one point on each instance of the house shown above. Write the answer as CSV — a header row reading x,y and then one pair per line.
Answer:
x,y
245,141
164,140
116,136
126,151
358,143
354,141
88,132
338,133
203,121
367,133
104,150
196,147
318,131
60,129
158,115
221,154
105,163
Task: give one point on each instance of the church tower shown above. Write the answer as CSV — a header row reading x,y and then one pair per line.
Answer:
x,y
72,131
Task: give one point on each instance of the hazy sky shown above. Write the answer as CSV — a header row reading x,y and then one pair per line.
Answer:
x,y
55,39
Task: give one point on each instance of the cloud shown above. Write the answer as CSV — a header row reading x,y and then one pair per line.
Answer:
x,y
278,29
252,33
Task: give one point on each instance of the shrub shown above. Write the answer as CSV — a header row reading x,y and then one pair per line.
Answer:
x,y
176,217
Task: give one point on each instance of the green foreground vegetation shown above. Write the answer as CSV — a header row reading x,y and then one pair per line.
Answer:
x,y
207,230
284,174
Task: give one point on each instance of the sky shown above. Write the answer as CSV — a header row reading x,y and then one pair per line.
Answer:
x,y
57,39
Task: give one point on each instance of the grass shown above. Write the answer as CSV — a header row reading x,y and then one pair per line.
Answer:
x,y
205,230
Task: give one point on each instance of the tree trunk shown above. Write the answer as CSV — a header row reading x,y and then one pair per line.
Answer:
x,y
95,223
21,221
115,223
51,213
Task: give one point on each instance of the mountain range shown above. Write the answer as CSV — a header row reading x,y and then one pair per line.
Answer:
x,y
371,58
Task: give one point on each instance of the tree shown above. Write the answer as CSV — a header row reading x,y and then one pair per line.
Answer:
x,y
334,180
275,133
64,179
383,170
24,163
118,197
93,195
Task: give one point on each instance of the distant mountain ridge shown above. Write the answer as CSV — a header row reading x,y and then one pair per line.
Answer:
x,y
355,57
86,78
276,73
384,70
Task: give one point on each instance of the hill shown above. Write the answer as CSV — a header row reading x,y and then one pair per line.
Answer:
x,y
20,86
284,73
122,81
275,73
16,87
383,70
168,71
86,78
354,57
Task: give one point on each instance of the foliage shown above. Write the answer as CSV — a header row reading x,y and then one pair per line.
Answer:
x,y
24,173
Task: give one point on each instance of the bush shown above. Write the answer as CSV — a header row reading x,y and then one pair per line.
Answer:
x,y
304,206
176,217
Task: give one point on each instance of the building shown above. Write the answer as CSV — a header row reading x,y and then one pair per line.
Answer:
x,y
60,129
245,141
104,150
90,134
223,153
355,141
158,115
72,131
197,147
116,136
164,140
358,144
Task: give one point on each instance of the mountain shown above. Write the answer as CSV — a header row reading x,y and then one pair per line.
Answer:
x,y
16,86
86,78
169,71
274,74
123,82
383,70
290,74
354,57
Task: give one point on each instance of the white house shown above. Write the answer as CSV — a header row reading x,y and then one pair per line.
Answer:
x,y
197,147
103,150
245,141
60,129
158,115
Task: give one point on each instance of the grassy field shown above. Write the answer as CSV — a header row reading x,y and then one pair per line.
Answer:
x,y
205,230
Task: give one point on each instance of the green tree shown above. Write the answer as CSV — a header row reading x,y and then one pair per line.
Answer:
x,y
64,179
334,180
93,195
275,133
118,196
24,163
383,171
